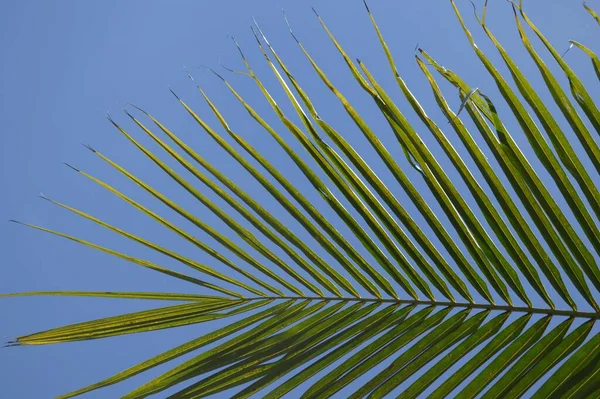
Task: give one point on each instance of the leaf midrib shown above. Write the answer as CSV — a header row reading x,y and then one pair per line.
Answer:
x,y
520,309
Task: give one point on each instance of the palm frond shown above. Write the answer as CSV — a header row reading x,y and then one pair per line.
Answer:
x,y
438,303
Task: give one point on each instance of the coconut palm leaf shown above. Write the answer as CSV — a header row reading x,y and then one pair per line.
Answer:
x,y
437,304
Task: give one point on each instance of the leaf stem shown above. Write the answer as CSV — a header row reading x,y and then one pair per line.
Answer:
x,y
523,309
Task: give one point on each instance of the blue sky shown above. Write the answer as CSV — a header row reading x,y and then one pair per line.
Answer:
x,y
65,64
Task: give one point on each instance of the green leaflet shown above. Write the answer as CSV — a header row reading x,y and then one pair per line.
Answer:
x,y
465,222
191,367
503,360
245,234
385,192
360,333
138,261
360,363
502,339
588,384
328,195
538,142
314,332
240,371
528,360
186,348
332,169
591,54
364,192
276,224
516,167
562,100
367,326
493,217
155,296
406,370
250,217
432,220
130,323
588,263
503,197
585,359
438,334
577,87
550,358
469,344
186,261
338,207
561,144
306,205
591,12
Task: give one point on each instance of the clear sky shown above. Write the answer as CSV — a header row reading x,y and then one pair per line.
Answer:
x,y
65,63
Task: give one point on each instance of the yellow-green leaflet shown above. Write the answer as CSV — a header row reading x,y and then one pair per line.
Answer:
x,y
592,55
245,234
562,100
246,214
538,142
361,188
592,12
514,164
137,261
503,197
577,87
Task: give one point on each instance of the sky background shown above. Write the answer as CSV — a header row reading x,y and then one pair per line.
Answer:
x,y
66,63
